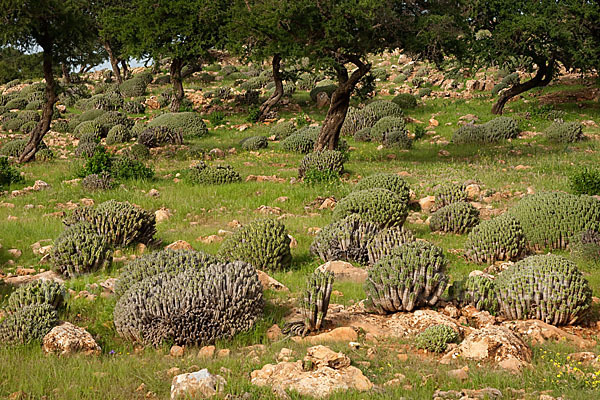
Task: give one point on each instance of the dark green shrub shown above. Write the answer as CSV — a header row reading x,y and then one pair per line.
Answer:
x,y
119,223
133,87
28,324
449,193
391,131
328,89
424,92
586,181
99,162
322,161
545,287
124,168
386,240
436,338
479,291
282,130
188,123
118,134
303,141
498,239
455,217
80,250
87,148
363,135
216,175
470,133
255,143
501,128
405,100
36,293
192,307
263,243
392,182
156,136
44,155
137,152
380,206
134,107
90,127
103,181
565,132
413,276
383,108
60,126
8,173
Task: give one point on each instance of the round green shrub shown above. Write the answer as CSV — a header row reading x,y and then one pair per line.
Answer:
x,y
255,143
263,243
586,181
137,152
90,127
123,168
189,123
346,239
44,155
436,338
300,142
391,131
565,132
551,219
448,193
330,161
60,126
479,291
545,287
134,107
455,217
215,175
102,181
498,239
80,250
380,206
468,134
501,128
156,136
382,180
383,108
37,292
412,276
133,87
118,134
29,324
363,135
282,130
405,100
86,149
386,240
191,307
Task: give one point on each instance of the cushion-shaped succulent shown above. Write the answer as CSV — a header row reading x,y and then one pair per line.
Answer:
x,y
436,338
37,292
213,175
322,161
392,182
455,217
498,239
379,206
28,324
386,241
448,193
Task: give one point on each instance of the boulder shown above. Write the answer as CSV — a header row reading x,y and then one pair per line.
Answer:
x,y
538,332
179,245
326,372
66,339
493,344
199,385
427,203
344,271
342,334
270,283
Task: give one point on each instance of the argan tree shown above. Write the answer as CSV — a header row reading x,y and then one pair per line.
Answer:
x,y
183,31
54,26
539,36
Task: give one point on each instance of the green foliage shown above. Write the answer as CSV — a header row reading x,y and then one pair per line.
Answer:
x,y
363,135
391,182
412,276
478,291
498,129
99,162
196,306
380,206
355,121
386,240
216,118
253,114
449,193
88,148
405,100
119,223
282,130
90,127
156,136
134,87
586,246
391,131
564,132
37,292
316,300
44,155
102,181
455,217
262,243
255,143
133,107
585,181
326,161
137,152
346,239
436,338
28,324
8,173
215,175
80,250
498,239
423,92
383,108
303,141
551,219
420,132
164,261
118,134
545,287
188,123
124,168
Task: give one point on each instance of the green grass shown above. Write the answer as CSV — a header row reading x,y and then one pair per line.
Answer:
x,y
203,210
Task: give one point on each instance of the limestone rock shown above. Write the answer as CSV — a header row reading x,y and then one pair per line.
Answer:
x,y
538,332
473,191
331,372
200,384
66,339
179,245
177,351
270,283
47,275
344,271
495,344
274,333
427,203
207,352
162,215
342,334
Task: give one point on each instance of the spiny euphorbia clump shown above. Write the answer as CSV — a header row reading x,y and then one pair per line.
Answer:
x,y
191,307
28,324
436,338
551,219
213,175
586,246
190,124
565,132
263,243
391,182
479,291
379,206
456,217
80,249
412,276
156,136
316,300
545,287
346,239
449,193
498,239
171,261
255,143
386,240
37,292
119,223
325,161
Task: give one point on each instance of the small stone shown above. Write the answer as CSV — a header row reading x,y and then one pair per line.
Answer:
x,y
323,100
15,253
66,339
153,193
461,374
274,333
217,153
25,271
344,271
270,283
176,351
162,215
223,353
200,384
282,199
206,352
171,372
179,245
427,203
285,354
402,357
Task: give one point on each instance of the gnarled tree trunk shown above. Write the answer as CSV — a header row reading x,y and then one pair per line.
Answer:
x,y
541,78
114,62
125,69
340,101
36,136
175,72
277,94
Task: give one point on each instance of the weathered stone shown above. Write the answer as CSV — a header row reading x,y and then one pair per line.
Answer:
x,y
270,283
427,203
162,215
461,374
66,339
200,384
344,271
473,191
274,333
21,280
179,245
323,100
343,334
323,356
538,332
176,351
207,352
